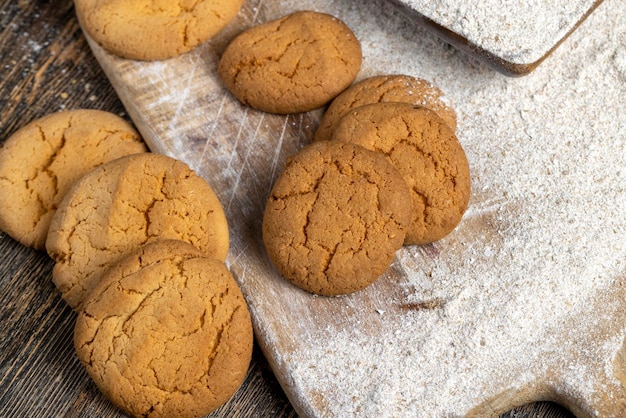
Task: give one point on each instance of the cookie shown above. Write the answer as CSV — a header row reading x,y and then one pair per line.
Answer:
x,y
427,153
335,218
41,160
123,205
294,64
385,88
169,337
153,30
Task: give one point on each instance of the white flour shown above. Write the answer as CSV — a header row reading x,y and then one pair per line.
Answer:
x,y
527,291
520,31
542,243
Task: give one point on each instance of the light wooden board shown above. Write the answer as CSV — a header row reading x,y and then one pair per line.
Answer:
x,y
524,301
514,36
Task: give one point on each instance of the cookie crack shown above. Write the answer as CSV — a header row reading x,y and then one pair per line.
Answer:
x,y
332,253
307,222
189,8
65,257
46,170
148,218
339,54
425,202
104,28
147,212
254,63
142,303
217,341
405,141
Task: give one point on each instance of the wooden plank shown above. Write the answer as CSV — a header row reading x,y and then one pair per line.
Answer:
x,y
513,37
37,73
502,312
47,66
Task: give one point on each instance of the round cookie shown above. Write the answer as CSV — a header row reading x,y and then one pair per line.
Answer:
x,y
335,218
294,64
385,88
427,154
153,30
41,160
123,205
172,338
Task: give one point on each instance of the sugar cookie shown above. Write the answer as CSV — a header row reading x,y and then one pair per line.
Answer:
x,y
167,338
294,64
40,161
385,88
427,154
125,204
335,217
153,30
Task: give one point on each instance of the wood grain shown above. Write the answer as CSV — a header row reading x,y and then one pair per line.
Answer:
x,y
183,110
46,66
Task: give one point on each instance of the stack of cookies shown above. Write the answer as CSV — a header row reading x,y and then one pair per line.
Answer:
x,y
385,168
332,226
139,242
406,119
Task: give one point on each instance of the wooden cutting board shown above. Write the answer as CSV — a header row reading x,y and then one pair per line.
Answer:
x,y
524,301
513,36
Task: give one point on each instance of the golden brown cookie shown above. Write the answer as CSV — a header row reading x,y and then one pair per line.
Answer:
x,y
169,337
153,30
40,162
385,88
294,64
335,217
427,153
123,205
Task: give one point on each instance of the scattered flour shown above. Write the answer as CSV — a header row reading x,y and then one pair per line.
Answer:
x,y
525,296
531,275
519,31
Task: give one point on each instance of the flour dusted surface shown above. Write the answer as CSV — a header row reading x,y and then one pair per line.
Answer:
x,y
519,31
525,298
518,287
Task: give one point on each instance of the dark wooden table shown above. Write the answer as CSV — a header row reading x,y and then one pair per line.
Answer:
x,y
46,66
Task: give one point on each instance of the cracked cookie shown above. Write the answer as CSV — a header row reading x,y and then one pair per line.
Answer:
x,y
385,88
165,335
154,30
41,160
294,64
427,154
150,254
124,204
335,217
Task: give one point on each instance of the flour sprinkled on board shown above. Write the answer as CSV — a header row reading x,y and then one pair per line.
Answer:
x,y
523,301
538,255
520,31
